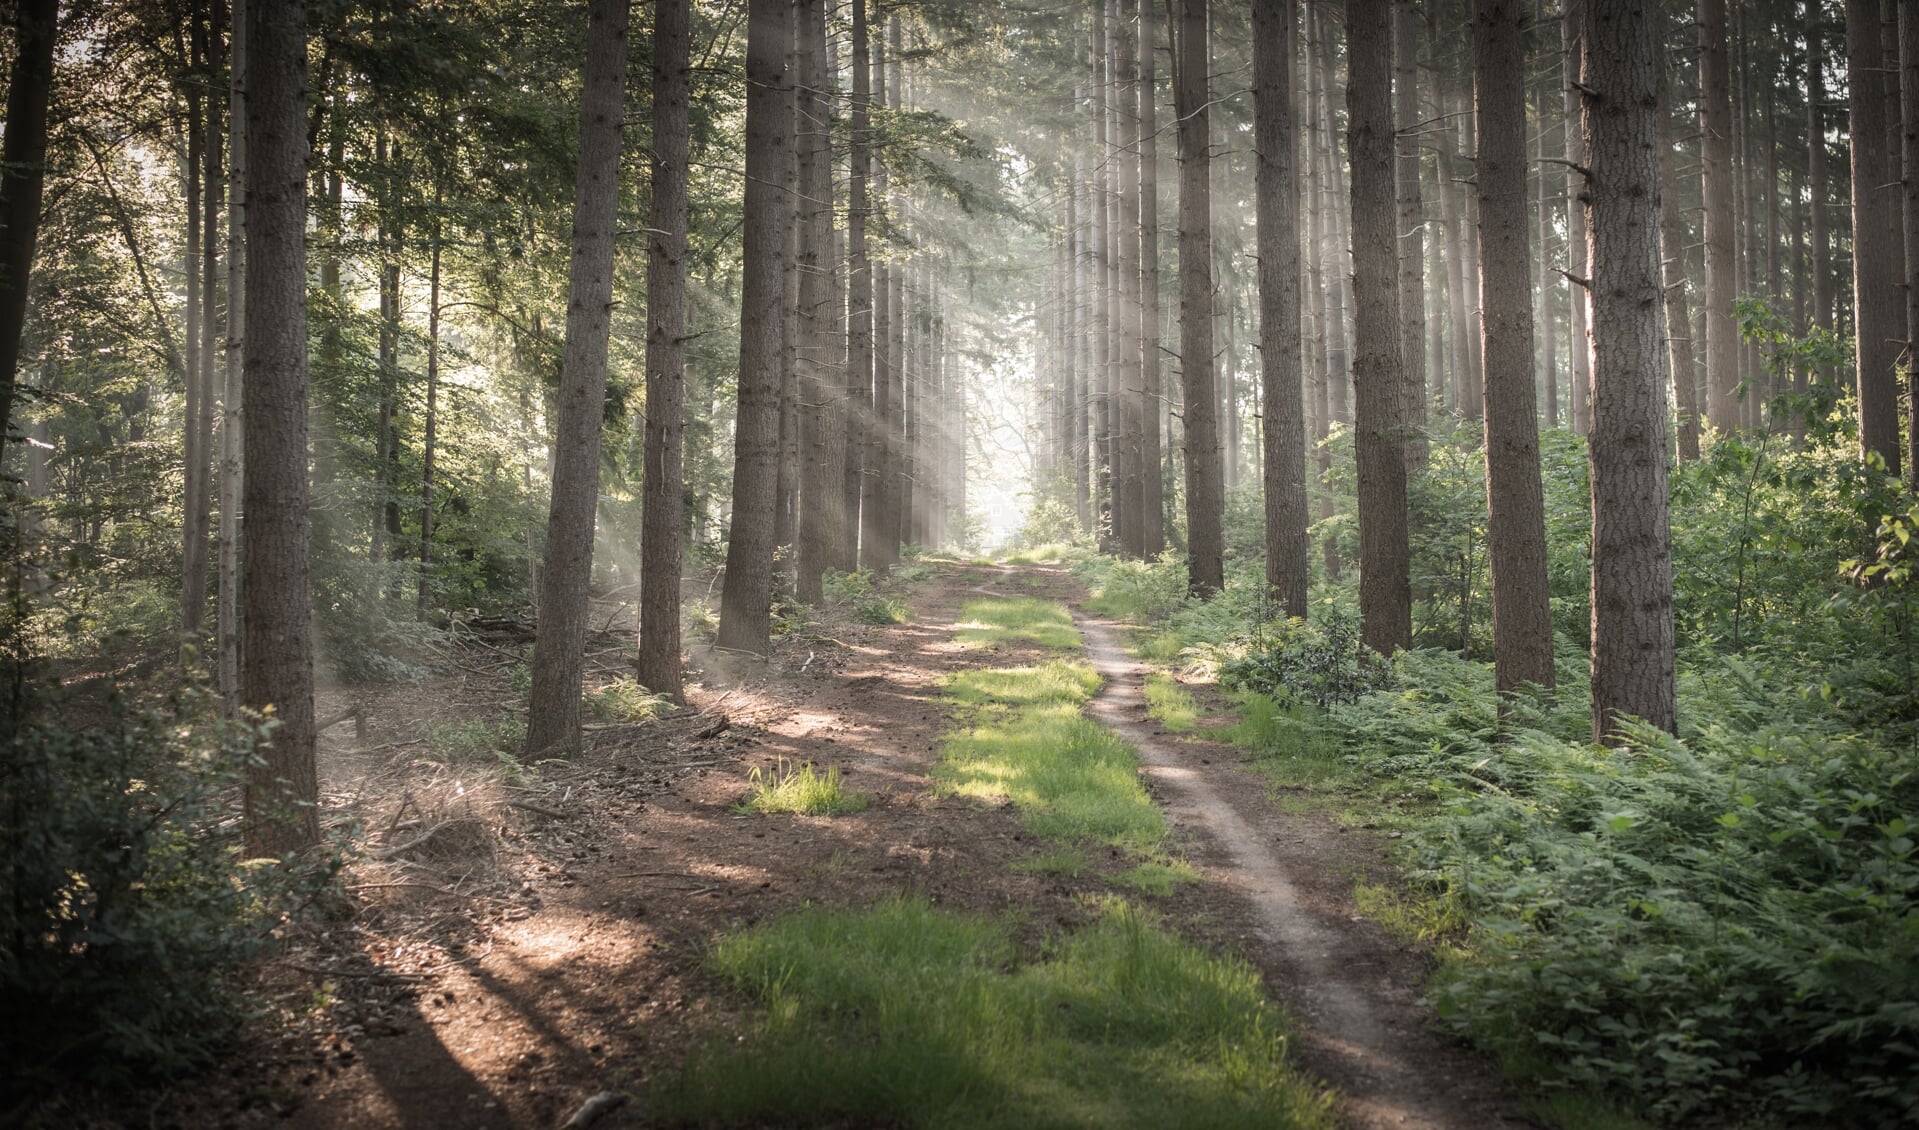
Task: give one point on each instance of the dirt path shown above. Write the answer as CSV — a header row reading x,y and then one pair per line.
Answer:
x,y
511,977
1351,988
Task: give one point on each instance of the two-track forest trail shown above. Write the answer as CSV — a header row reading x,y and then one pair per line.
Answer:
x,y
578,969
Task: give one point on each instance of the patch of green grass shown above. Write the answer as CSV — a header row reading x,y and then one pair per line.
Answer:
x,y
1170,703
1070,777
910,1016
1004,619
1571,1110
1158,876
1067,862
800,789
1424,919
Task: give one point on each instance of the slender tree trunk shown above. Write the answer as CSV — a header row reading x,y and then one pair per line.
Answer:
x,y
1153,497
1100,333
663,479
1548,324
822,501
875,553
859,281
193,502
385,441
1822,278
1288,571
282,786
1909,103
1472,390
892,474
1319,368
429,444
1579,347
231,416
1715,146
1379,425
1411,223
1451,207
1335,231
1672,240
553,719
786,491
214,156
1876,268
1205,493
746,596
1632,619
1515,501
23,159
1129,322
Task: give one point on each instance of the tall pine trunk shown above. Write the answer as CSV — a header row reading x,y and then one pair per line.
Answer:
x,y
1579,348
1715,150
1515,502
1288,570
1411,222
1205,492
232,419
282,784
663,477
1379,419
746,596
1632,614
1672,244
1877,244
1153,497
822,507
23,159
859,293
553,719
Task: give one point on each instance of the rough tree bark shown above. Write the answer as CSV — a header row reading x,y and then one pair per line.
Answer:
x,y
822,507
1130,514
1715,151
1153,502
1379,421
1878,308
1205,492
1672,243
553,719
663,476
23,159
1578,262
1909,159
232,425
1632,621
282,786
1412,224
746,596
1516,530
1288,567
859,289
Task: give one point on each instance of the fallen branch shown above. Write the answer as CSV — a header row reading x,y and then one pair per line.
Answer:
x,y
422,839
529,806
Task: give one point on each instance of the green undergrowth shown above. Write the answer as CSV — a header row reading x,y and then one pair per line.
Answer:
x,y
800,789
1718,925
905,1015
1009,619
1170,704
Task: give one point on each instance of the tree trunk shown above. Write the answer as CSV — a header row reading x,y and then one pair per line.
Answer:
x,y
663,479
1672,241
282,786
1451,196
1319,367
23,160
822,502
1715,146
1379,424
1822,281
1128,325
429,442
1515,502
231,417
1548,343
193,501
1153,498
746,597
1632,620
1338,241
1909,153
1412,225
1877,243
1100,333
553,719
859,295
1205,493
1579,347
1288,570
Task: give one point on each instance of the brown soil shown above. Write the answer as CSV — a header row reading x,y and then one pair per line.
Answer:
x,y
517,945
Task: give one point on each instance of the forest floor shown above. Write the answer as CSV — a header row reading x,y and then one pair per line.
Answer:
x,y
520,941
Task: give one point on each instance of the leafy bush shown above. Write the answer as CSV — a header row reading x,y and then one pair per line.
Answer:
x,y
126,904
801,789
880,611
841,588
1321,662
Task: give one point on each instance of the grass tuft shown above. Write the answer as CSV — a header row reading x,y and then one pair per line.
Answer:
x,y
1006,619
800,789
907,1015
1170,703
1070,777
